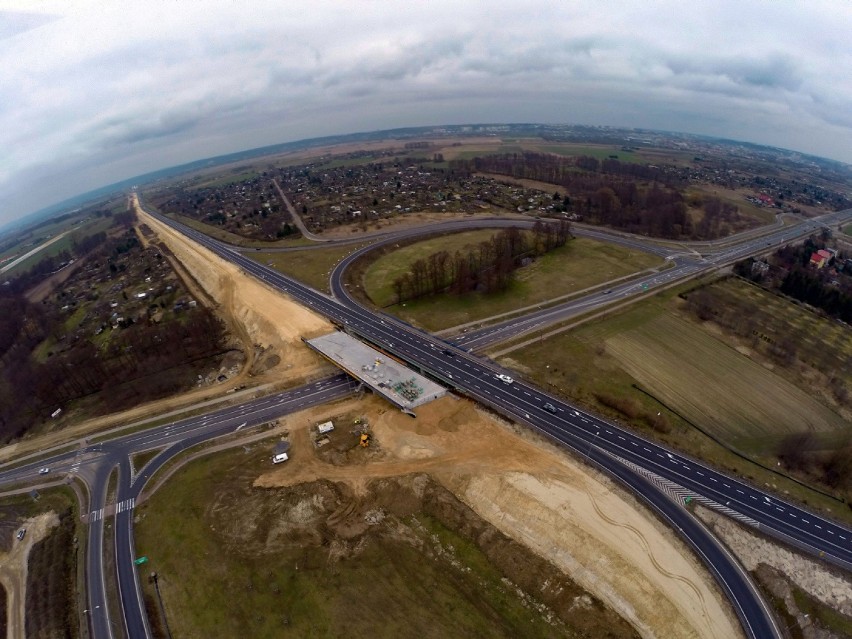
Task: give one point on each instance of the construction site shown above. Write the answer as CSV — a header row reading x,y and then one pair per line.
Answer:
x,y
383,374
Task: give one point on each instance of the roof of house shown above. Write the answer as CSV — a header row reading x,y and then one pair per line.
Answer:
x,y
824,253
816,257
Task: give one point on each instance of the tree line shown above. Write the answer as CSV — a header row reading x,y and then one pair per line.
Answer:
x,y
637,198
487,267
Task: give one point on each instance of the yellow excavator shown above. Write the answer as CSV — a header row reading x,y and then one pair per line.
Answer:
x,y
365,440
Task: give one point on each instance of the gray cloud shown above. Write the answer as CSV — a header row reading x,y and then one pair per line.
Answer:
x,y
104,92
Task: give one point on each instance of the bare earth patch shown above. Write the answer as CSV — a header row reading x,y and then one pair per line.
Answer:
x,y
826,585
533,493
257,314
13,569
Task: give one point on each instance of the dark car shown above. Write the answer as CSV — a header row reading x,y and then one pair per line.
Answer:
x,y
550,408
448,353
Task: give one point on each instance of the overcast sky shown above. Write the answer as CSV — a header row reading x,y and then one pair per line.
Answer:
x,y
92,92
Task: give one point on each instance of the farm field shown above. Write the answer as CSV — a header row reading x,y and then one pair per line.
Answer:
x,y
578,265
728,388
716,387
737,198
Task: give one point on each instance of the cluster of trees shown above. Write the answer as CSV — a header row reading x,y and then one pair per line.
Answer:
x,y
486,268
806,285
800,452
633,197
143,362
792,274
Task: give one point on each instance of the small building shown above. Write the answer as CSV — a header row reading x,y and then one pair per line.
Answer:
x,y
818,260
325,427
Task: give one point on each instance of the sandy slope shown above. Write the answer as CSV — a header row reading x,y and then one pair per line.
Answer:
x,y
256,314
576,518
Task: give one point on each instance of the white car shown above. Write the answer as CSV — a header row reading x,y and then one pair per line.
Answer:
x,y
281,457
43,471
505,378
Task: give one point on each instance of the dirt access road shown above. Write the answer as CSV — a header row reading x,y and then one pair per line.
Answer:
x,y
13,571
531,491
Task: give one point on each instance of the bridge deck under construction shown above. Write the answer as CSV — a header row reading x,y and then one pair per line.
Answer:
x,y
386,376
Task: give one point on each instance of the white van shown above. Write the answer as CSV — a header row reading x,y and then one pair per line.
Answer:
x,y
280,457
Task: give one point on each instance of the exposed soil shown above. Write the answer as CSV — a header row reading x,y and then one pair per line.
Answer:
x,y
255,314
578,520
13,570
830,586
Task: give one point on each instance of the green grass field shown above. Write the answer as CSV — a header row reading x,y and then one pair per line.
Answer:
x,y
599,152
310,267
578,265
248,562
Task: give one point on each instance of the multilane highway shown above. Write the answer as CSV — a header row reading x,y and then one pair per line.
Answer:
x,y
605,443
95,462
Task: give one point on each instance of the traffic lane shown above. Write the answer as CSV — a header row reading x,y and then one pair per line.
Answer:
x,y
251,409
100,624
31,472
211,431
132,602
690,474
329,305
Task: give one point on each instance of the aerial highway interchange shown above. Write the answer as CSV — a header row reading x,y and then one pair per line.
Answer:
x,y
633,460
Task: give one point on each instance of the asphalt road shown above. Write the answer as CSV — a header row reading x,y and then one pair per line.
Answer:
x,y
600,441
522,402
94,464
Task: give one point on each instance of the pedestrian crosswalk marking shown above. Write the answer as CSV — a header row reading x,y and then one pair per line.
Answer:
x,y
112,509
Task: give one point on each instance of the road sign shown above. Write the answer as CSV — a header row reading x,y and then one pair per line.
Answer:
x,y
140,561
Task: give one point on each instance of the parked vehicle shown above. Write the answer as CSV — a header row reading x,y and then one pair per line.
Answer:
x,y
280,457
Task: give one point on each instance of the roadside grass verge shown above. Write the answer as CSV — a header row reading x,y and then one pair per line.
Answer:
x,y
309,267
140,459
593,362
580,264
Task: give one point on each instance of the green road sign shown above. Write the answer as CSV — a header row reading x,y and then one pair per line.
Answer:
x,y
140,561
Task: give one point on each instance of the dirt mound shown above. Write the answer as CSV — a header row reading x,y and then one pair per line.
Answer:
x,y
255,314
532,493
322,514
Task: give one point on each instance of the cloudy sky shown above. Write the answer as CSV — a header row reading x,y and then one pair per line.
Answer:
x,y
92,92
